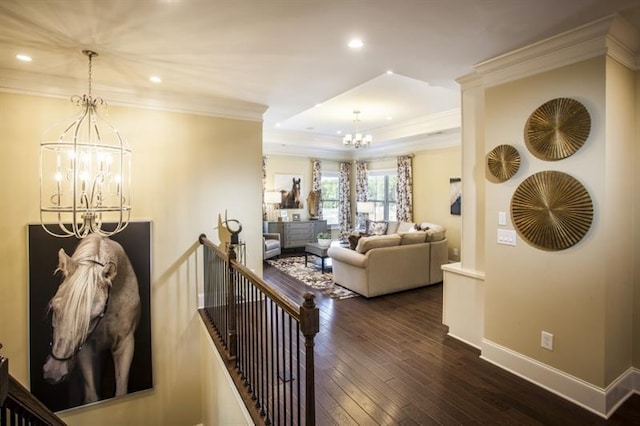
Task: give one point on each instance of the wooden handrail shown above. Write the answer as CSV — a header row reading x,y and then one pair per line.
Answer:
x,y
256,280
246,320
13,394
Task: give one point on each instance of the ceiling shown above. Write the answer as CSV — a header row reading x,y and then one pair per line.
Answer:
x,y
286,58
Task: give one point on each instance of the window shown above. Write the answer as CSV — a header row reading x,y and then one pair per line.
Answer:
x,y
382,191
329,201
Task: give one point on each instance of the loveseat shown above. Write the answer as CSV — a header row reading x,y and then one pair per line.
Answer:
x,y
406,256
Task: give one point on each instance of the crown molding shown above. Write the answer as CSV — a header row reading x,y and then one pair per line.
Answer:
x,y
612,36
34,84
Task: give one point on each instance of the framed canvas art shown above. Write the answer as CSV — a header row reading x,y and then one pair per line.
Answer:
x,y
290,188
455,196
87,297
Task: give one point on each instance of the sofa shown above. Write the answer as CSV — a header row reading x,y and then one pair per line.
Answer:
x,y
406,256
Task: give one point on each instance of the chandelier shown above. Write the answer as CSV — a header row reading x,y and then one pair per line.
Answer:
x,y
358,140
85,168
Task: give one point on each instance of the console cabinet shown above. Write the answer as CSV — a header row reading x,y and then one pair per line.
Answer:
x,y
296,234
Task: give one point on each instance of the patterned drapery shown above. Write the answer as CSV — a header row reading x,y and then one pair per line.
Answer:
x,y
316,183
264,186
344,199
362,192
404,189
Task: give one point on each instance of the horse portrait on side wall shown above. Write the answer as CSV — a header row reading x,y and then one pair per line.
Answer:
x,y
95,309
291,199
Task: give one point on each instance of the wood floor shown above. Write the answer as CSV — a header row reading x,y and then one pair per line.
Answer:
x,y
388,361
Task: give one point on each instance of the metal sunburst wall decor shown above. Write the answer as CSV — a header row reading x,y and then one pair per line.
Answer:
x,y
557,129
503,162
551,210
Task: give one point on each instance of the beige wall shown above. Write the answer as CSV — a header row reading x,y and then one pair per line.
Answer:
x,y
186,170
581,294
431,172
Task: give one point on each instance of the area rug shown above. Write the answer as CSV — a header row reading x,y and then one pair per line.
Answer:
x,y
312,276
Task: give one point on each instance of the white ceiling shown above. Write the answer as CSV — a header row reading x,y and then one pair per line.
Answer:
x,y
285,56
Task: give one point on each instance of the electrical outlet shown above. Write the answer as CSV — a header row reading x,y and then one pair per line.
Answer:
x,y
546,340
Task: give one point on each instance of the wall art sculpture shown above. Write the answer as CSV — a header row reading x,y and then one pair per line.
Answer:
x,y
551,210
503,162
557,129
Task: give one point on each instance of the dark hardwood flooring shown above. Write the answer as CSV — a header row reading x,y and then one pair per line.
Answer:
x,y
388,361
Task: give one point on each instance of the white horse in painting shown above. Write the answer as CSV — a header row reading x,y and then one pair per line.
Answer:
x,y
96,308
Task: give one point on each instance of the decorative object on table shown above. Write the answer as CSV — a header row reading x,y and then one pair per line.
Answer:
x,y
85,173
503,162
311,276
313,204
357,140
120,263
290,187
284,216
557,129
551,210
455,196
228,230
295,217
324,239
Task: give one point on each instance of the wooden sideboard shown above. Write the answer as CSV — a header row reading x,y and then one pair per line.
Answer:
x,y
296,234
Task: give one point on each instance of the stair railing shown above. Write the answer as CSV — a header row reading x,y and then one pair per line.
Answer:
x,y
259,333
18,406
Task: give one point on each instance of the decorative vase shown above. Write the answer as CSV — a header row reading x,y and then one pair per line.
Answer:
x,y
324,242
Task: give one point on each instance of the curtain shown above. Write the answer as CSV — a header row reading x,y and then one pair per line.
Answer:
x,y
362,193
344,199
264,186
404,189
316,183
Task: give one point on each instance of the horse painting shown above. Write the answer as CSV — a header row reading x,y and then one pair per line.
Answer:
x,y
95,309
291,199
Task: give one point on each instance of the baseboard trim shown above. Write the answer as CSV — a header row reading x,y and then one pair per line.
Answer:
x,y
602,402
465,341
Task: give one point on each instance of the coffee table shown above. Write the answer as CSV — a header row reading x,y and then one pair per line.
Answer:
x,y
315,249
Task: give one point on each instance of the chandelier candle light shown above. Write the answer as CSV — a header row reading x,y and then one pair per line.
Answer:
x,y
360,140
85,169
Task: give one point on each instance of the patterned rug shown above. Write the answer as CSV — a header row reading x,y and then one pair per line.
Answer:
x,y
311,276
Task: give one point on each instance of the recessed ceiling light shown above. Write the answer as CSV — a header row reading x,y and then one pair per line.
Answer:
x,y
24,58
155,79
356,43
339,132
389,72
318,104
278,124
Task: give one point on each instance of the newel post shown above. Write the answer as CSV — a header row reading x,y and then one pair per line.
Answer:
x,y
4,378
310,326
231,305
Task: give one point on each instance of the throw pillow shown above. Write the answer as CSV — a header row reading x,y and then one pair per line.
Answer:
x,y
405,227
415,237
377,228
377,241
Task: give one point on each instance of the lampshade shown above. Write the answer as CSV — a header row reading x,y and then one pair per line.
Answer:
x,y
272,197
365,207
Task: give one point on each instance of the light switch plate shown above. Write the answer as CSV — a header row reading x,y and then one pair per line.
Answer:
x,y
502,218
507,237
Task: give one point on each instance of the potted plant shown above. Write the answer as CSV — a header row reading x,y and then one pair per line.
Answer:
x,y
324,239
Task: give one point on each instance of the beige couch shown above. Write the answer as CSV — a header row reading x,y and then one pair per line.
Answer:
x,y
399,260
